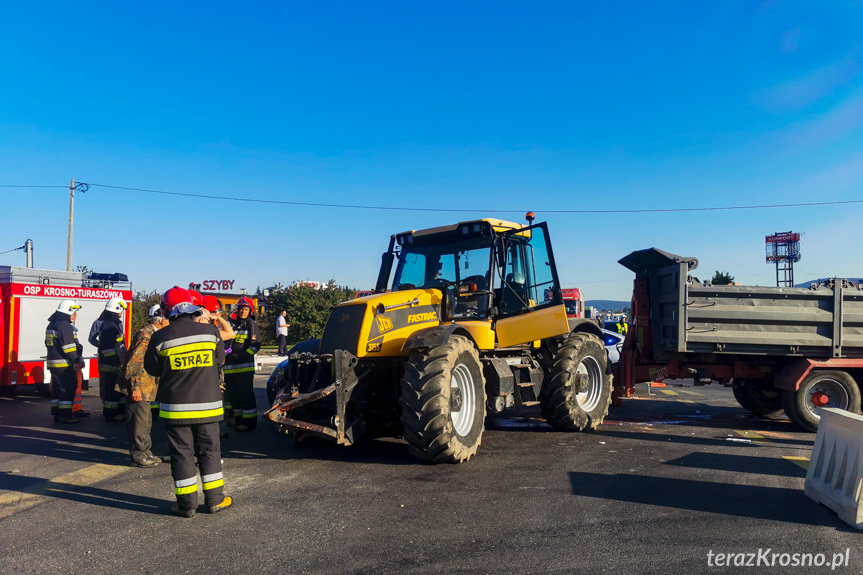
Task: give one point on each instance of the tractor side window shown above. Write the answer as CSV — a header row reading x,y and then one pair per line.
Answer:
x,y
514,298
413,271
540,276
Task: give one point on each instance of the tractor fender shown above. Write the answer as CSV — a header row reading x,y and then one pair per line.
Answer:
x,y
582,325
434,336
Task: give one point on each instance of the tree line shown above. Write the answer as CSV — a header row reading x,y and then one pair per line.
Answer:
x,y
307,309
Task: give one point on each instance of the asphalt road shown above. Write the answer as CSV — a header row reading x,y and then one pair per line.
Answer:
x,y
665,481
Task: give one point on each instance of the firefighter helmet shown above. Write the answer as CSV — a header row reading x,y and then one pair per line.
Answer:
x,y
197,298
244,301
68,306
155,311
172,297
116,305
212,303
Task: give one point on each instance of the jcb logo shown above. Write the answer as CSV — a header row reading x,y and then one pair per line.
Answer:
x,y
384,323
373,347
191,360
421,317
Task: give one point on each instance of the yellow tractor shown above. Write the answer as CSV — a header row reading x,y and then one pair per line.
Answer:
x,y
474,322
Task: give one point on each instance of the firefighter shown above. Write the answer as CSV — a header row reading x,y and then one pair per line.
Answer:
x,y
240,367
140,389
63,358
185,357
111,356
622,326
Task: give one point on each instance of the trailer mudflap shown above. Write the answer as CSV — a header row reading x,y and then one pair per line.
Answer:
x,y
341,430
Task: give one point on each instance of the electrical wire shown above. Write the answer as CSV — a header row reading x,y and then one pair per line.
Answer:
x,y
485,210
12,250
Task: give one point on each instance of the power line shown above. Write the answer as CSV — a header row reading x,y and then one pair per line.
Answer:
x,y
352,206
408,209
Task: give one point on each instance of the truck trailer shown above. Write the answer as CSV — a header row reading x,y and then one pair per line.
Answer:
x,y
780,348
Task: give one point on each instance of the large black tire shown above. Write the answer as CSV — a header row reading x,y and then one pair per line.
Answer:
x,y
760,401
581,355
441,424
837,388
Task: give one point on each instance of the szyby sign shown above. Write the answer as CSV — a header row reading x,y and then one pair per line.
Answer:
x,y
217,285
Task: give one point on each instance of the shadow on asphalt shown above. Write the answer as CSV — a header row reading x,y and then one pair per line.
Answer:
x,y
739,464
62,445
89,495
754,501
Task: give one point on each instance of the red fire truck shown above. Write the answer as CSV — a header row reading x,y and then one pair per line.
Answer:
x,y
29,296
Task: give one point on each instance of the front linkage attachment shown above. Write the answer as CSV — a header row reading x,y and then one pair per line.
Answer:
x,y
327,404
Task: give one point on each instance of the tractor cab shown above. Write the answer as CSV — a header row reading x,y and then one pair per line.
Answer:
x,y
487,270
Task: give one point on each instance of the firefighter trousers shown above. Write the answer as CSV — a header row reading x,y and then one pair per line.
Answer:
x,y
240,394
113,401
185,443
139,423
64,384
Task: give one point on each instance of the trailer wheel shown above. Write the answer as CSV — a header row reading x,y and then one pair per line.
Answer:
x,y
760,401
576,392
821,389
443,402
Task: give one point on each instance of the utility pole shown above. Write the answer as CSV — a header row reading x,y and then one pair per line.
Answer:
x,y
82,187
71,211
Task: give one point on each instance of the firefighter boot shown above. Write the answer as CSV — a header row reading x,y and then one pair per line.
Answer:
x,y
225,504
176,510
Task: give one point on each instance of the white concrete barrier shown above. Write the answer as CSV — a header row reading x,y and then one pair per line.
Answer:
x,y
835,475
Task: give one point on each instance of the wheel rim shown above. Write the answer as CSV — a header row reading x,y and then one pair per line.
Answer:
x,y
462,380
826,393
588,400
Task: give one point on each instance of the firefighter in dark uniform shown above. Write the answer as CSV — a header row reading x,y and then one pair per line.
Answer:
x,y
186,355
240,367
111,357
61,341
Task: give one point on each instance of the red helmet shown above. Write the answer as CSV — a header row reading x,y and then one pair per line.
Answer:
x,y
244,301
172,297
212,303
197,298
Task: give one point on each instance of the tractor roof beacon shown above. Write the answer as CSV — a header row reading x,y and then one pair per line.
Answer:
x,y
474,322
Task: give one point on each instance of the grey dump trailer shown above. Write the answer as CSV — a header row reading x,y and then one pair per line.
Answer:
x,y
792,349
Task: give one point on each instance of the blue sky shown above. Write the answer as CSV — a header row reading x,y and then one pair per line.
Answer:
x,y
485,106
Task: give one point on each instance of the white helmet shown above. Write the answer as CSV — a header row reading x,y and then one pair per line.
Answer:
x,y
68,306
116,305
155,311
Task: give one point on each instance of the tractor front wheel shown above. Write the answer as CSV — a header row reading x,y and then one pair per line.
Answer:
x,y
443,402
576,392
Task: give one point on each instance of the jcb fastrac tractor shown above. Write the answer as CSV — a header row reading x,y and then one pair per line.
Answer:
x,y
475,321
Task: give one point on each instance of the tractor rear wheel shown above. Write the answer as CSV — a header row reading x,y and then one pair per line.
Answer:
x,y
821,389
443,402
760,401
576,392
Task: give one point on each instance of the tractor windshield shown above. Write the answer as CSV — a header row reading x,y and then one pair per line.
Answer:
x,y
428,265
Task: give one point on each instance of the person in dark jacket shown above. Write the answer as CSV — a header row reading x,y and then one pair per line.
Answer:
x,y
63,358
186,356
240,367
111,357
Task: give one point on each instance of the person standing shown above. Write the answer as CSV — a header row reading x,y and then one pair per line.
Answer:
x,y
63,358
622,326
140,389
111,356
282,326
185,357
240,368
